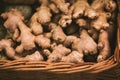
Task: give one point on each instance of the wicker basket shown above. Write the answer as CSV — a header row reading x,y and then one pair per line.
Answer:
x,y
106,70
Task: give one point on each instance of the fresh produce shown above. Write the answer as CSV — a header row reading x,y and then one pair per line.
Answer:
x,y
81,6
109,5
82,23
74,57
13,17
102,21
35,26
43,41
86,41
65,20
103,46
25,35
73,31
93,33
36,56
61,5
53,8
57,53
58,35
69,40
9,50
42,16
86,47
26,38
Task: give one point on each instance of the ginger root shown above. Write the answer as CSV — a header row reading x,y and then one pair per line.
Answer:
x,y
57,53
35,26
81,6
86,41
65,20
61,5
58,35
36,56
43,41
101,22
73,57
82,23
109,5
69,40
103,46
82,45
9,50
13,17
53,8
72,31
93,33
26,38
42,16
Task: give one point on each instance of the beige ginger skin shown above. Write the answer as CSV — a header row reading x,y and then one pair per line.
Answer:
x,y
9,50
26,38
81,6
103,46
61,5
86,41
57,53
72,31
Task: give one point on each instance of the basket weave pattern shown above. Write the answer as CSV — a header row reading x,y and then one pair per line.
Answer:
x,y
106,70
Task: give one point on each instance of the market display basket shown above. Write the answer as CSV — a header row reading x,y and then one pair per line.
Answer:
x,y
41,70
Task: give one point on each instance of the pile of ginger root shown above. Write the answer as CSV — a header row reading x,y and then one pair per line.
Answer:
x,y
61,31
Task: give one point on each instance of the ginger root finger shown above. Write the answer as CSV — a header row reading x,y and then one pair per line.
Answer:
x,y
73,57
7,46
103,46
57,53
